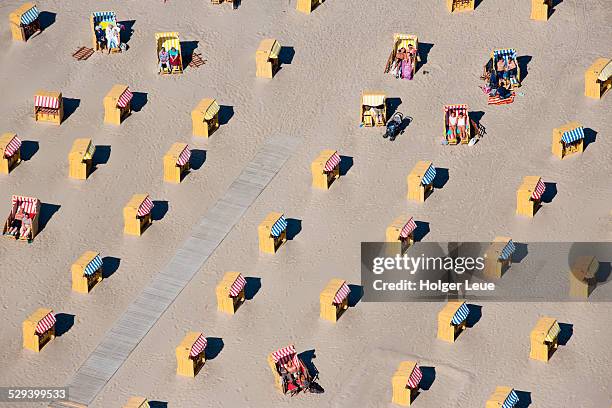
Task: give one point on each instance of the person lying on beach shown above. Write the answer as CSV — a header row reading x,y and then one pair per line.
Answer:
x,y
175,58
164,60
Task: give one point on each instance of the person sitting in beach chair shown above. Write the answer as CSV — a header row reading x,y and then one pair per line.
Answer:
x,y
451,135
175,59
164,61
100,38
461,127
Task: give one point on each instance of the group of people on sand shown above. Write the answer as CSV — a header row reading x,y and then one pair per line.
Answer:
x,y
169,60
404,62
21,225
502,78
457,125
109,38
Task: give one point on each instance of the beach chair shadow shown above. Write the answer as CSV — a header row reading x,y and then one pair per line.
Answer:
x,y
187,50
520,252
139,100
392,105
126,34
441,177
252,287
226,112
214,347
70,105
567,330
424,49
294,226
47,211
307,357
550,192
523,62
28,149
524,399
603,273
429,376
110,264
198,157
64,322
346,162
355,296
421,230
158,404
553,9
47,19
285,56
590,136
474,315
100,157
160,208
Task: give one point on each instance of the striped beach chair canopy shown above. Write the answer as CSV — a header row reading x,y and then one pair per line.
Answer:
x,y
553,333
198,346
605,73
507,251
125,98
403,40
373,98
46,323
506,53
341,294
29,16
237,286
415,377
458,108
93,265
279,226
511,400
29,204
168,40
408,228
461,314
573,135
184,156
429,175
212,110
284,354
332,162
145,207
104,18
12,147
539,189
46,101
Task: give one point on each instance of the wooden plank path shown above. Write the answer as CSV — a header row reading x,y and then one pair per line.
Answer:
x,y
140,316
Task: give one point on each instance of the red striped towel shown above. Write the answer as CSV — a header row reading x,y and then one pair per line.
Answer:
x,y
496,100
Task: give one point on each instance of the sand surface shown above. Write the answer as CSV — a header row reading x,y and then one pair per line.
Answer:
x,y
339,50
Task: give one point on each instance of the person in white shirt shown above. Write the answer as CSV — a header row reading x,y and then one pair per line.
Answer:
x,y
452,125
461,120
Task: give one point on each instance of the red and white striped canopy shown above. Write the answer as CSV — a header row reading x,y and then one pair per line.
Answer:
x,y
184,156
125,98
145,207
45,323
284,354
460,108
46,102
27,203
237,286
415,377
539,190
332,162
198,346
12,147
342,293
408,228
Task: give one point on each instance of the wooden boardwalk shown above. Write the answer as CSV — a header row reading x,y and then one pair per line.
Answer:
x,y
167,284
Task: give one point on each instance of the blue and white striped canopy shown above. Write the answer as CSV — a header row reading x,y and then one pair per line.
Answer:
x,y
509,52
461,314
109,16
29,16
511,400
279,226
93,266
429,176
573,135
507,251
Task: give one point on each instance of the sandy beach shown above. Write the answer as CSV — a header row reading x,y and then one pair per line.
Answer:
x,y
330,57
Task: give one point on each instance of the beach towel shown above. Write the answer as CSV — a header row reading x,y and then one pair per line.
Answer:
x,y
497,100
